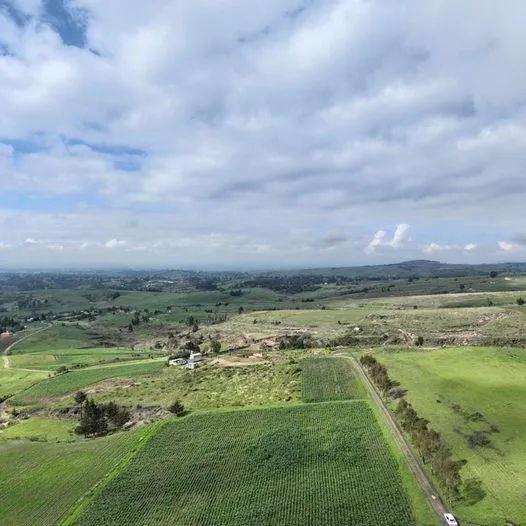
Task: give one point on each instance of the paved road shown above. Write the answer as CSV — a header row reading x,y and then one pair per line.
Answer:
x,y
423,480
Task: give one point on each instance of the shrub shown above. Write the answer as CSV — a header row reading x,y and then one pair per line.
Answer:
x,y
177,408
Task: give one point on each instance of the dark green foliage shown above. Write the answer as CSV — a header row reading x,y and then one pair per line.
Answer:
x,y
479,439
177,408
432,447
312,464
472,491
520,301
116,415
92,421
80,397
378,373
215,346
297,341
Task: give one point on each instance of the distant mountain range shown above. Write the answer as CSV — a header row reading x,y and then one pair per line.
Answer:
x,y
421,268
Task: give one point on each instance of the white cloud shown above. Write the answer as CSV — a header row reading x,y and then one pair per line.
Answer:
x,y
114,243
400,237
377,241
247,127
434,248
506,246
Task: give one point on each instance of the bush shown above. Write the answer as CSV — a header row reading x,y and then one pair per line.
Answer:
x,y
177,408
479,439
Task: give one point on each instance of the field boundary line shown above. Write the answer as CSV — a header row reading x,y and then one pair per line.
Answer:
x,y
432,496
83,502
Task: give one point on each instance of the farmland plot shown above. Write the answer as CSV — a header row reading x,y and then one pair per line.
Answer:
x,y
42,481
325,379
306,465
75,380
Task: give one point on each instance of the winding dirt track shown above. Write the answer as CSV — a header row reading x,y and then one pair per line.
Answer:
x,y
423,480
6,344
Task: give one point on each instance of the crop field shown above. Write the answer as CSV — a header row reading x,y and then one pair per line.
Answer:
x,y
71,358
325,379
304,465
75,380
462,391
41,482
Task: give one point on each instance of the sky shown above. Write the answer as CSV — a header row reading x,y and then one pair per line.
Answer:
x,y
261,133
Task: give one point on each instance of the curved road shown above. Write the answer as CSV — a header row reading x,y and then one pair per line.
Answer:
x,y
5,355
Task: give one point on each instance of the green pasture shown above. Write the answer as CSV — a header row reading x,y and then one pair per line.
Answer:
x,y
463,390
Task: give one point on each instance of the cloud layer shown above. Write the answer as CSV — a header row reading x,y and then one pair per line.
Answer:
x,y
275,133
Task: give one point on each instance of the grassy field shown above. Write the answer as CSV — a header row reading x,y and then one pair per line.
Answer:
x,y
211,386
12,381
75,380
38,428
325,379
464,390
41,482
304,465
67,345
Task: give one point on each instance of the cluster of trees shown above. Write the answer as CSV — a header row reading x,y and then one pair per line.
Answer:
x,y
297,341
8,323
98,419
429,443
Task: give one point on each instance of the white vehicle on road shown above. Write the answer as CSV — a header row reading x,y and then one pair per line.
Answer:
x,y
450,519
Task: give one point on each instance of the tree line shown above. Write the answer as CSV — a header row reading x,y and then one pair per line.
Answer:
x,y
431,446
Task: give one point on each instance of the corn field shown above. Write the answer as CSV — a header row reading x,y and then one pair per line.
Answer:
x,y
315,464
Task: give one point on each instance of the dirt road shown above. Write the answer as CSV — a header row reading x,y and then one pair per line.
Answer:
x,y
423,480
6,345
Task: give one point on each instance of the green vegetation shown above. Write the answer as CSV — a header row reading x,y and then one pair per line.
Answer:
x,y
307,464
72,381
41,429
211,386
472,396
326,379
12,380
41,482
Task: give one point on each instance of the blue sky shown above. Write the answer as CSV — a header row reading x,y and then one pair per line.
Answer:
x,y
273,133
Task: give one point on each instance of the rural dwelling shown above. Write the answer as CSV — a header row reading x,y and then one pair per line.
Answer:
x,y
191,364
196,357
6,334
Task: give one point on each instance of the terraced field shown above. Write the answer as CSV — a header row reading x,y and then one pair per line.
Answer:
x,y
305,465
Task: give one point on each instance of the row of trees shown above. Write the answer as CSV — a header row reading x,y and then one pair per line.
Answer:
x,y
98,419
431,446
378,373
